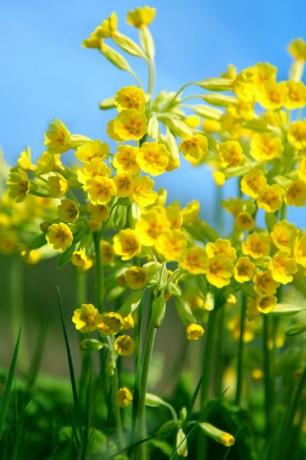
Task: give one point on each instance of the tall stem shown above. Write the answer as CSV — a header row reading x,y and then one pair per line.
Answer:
x,y
99,271
240,352
267,375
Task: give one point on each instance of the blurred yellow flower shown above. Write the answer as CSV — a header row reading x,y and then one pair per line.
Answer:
x,y
265,147
124,345
194,260
124,397
127,244
194,148
59,236
85,318
194,331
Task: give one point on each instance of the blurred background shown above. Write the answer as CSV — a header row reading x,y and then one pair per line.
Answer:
x,y
45,73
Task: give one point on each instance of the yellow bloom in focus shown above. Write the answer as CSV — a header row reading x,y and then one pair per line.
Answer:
x,y
265,147
59,236
57,185
130,97
125,159
68,210
282,267
106,29
143,193
230,154
283,234
18,184
266,304
124,397
195,260
48,162
124,345
174,215
297,49
85,318
271,198
152,224
220,270
110,323
153,158
100,190
124,184
300,250
89,150
244,270
256,245
297,134
171,244
264,284
107,252
194,331
195,148
97,215
130,124
141,16
273,95
244,221
221,247
24,160
296,95
136,277
296,193
127,244
93,168
57,138
253,183
80,260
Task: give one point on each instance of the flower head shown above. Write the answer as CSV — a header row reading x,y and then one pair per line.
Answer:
x,y
153,158
141,16
130,125
85,318
195,148
59,236
127,244
265,147
194,331
124,397
194,260
130,97
124,345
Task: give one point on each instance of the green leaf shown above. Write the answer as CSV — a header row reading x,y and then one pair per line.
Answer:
x,y
296,329
286,309
65,257
131,302
38,241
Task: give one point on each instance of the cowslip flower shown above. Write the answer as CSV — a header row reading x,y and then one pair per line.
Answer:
x,y
127,244
124,185
282,267
130,124
18,184
194,148
153,158
244,270
221,247
136,277
24,160
253,183
92,149
264,284
230,154
68,210
57,137
271,198
124,345
143,193
59,236
130,97
266,303
297,49
300,250
244,221
194,260
97,215
194,331
141,16
283,234
91,169
297,134
296,97
125,159
273,95
100,190
85,318
110,323
220,270
296,193
57,185
171,244
80,260
151,224
124,397
265,147
256,245
107,252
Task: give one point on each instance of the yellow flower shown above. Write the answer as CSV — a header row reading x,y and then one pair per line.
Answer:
x,y
221,247
107,252
136,277
296,95
264,284
296,193
128,322
283,234
80,260
192,120
106,29
297,134
271,198
59,236
153,158
266,304
244,270
300,250
100,190
152,224
89,150
124,397
195,148
282,267
230,154
127,244
124,345
97,215
93,168
124,184
32,256
174,215
297,49
48,162
273,95
85,318
219,178
125,159
142,193
57,138
141,16
24,160
191,212
130,124
220,270
256,245
68,210
171,244
265,147
130,97
302,168
194,260
57,185
18,184
253,183
110,323
194,331
244,221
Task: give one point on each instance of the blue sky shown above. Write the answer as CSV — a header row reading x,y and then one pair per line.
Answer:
x,y
45,73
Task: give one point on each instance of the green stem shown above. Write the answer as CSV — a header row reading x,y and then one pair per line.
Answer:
x,y
99,272
219,355
240,352
151,76
148,351
81,287
267,375
118,419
